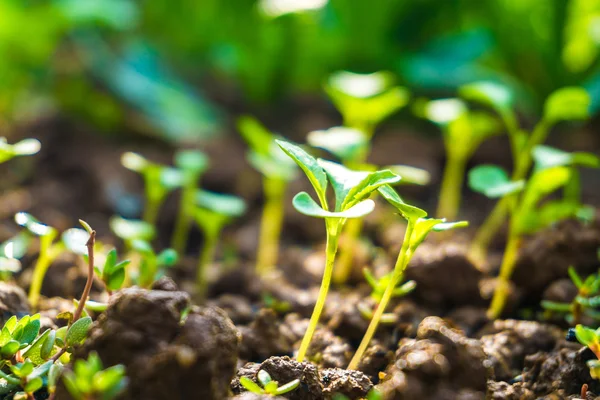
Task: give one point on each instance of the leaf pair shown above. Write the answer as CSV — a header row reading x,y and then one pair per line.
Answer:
x,y
90,380
214,210
269,386
112,273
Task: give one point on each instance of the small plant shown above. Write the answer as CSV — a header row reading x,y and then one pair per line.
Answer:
x,y
26,147
352,190
565,104
417,230
587,299
112,273
159,181
269,386
277,171
213,211
151,265
192,164
590,338
90,381
378,286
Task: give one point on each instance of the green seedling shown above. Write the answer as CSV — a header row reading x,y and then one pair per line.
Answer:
x,y
213,211
129,230
72,240
159,181
277,171
565,104
585,303
269,386
26,147
417,230
192,164
151,265
351,189
89,380
590,338
378,287
112,273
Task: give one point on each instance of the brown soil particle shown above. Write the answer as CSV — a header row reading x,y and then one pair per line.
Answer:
x,y
163,358
498,390
376,358
352,384
254,396
329,351
13,301
265,337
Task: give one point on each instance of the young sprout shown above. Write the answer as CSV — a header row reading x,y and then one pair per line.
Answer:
x,y
269,386
565,104
590,338
213,211
463,132
378,287
351,189
72,239
587,299
25,147
159,180
416,232
89,380
192,164
112,273
277,171
151,266
129,230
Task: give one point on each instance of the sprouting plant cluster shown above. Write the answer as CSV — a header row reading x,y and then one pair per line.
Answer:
x,y
267,386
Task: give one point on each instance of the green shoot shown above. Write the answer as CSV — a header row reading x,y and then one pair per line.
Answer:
x,y
213,211
269,386
73,240
158,182
417,230
277,171
587,299
192,164
26,147
112,273
129,230
352,190
89,380
590,338
378,287
151,266
566,104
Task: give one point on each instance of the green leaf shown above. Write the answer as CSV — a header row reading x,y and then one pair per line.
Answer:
x,y
33,385
53,374
288,387
263,377
492,94
223,204
255,134
192,161
33,225
30,331
422,228
410,175
75,240
410,213
493,181
548,157
129,229
25,147
585,335
307,206
16,247
446,226
250,385
70,382
361,85
115,280
108,379
9,265
110,262
47,344
134,162
10,349
368,185
567,104
78,331
170,178
344,143
555,306
273,167
575,277
311,168
168,258
444,111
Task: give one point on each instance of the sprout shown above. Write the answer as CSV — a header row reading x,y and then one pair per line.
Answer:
x,y
112,273
213,211
277,171
89,379
590,338
158,182
417,230
352,190
152,266
269,386
192,164
130,229
25,147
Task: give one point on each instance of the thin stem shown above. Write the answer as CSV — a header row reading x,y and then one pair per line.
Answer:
x,y
343,266
503,282
90,276
271,223
452,182
331,250
151,211
41,267
206,258
401,263
183,222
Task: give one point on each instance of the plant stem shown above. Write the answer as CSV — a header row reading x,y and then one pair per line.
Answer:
x,y
151,211
270,228
331,250
206,258
343,267
90,276
450,192
506,270
401,263
39,272
183,221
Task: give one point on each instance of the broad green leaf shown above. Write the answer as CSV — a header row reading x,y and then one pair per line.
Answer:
x,y
344,143
223,204
75,240
567,104
548,157
78,331
270,387
493,181
255,134
585,335
111,261
70,382
193,161
444,111
130,229
109,378
16,247
492,94
309,165
167,257
411,213
115,280
10,348
342,179
421,230
34,352
33,385
250,385
48,344
542,183
307,206
361,85
368,185
410,175
33,225
30,331
11,324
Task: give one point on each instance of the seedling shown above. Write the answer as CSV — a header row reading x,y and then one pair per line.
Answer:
x,y
151,266
590,338
112,273
352,190
213,211
26,147
378,286
159,181
419,226
72,239
90,381
129,230
192,164
566,104
269,386
585,303
277,171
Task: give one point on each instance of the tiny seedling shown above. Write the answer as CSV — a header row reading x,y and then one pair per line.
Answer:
x,y
585,303
151,265
159,181
277,171
352,189
72,239
565,104
192,164
378,286
26,147
590,338
89,380
269,386
213,211
112,273
417,230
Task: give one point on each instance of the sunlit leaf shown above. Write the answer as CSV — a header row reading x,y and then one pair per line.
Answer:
x,y
224,204
344,143
33,225
75,240
193,161
128,229
567,104
409,212
493,181
307,206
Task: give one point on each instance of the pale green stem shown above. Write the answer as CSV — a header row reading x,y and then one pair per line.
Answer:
x,y
343,266
270,228
451,191
503,283
183,222
331,250
401,263
44,260
151,211
206,258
